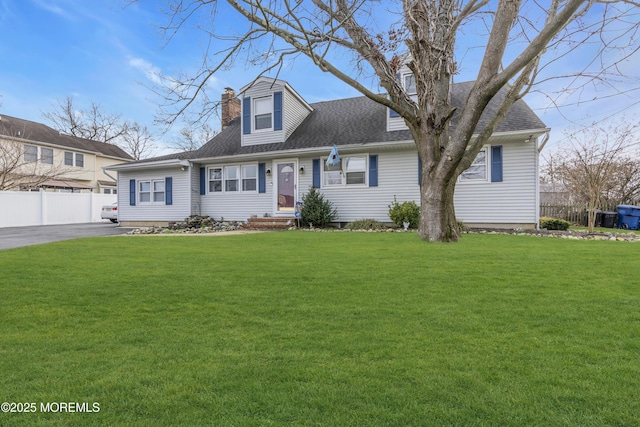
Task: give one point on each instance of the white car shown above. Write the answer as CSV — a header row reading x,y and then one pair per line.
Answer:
x,y
110,212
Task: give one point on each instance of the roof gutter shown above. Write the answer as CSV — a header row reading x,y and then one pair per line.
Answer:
x,y
149,165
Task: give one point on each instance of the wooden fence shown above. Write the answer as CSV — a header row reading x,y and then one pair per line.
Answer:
x,y
575,214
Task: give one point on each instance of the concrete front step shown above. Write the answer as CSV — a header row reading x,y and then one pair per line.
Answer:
x,y
278,223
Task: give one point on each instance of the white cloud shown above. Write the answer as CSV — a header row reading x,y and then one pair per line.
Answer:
x,y
53,8
152,72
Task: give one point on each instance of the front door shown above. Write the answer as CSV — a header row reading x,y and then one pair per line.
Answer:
x,y
286,190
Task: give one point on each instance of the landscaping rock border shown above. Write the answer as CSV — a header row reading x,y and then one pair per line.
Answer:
x,y
197,224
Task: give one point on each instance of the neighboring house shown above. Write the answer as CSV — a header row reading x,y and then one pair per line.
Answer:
x,y
268,157
35,156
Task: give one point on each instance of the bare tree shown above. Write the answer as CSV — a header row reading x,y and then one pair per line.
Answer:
x,y
25,166
97,125
192,138
93,123
597,166
138,141
516,37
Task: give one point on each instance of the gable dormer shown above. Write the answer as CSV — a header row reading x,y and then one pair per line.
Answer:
x,y
271,111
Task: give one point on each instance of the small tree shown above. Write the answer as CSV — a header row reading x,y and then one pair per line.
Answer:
x,y
316,210
596,166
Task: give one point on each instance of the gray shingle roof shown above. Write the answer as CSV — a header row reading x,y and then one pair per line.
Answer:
x,y
356,121
38,132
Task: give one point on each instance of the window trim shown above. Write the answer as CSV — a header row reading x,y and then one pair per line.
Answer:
x,y
254,111
487,164
151,191
344,173
240,179
24,153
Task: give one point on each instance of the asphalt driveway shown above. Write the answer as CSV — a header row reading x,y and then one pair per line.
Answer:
x,y
14,237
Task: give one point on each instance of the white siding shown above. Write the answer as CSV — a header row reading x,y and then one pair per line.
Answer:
x,y
238,206
262,137
179,210
511,201
293,113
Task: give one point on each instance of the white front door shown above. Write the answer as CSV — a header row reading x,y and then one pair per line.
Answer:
x,y
286,183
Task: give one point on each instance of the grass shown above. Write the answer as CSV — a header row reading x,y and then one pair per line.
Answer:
x,y
323,329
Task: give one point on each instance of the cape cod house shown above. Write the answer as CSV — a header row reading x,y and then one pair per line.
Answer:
x,y
274,145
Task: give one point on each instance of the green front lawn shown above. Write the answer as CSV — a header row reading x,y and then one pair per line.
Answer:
x,y
323,329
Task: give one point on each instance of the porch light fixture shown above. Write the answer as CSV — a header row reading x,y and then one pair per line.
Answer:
x,y
268,172
301,169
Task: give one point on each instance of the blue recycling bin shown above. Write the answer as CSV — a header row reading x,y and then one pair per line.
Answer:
x,y
628,216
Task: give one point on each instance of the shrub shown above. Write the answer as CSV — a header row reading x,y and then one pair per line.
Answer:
x,y
554,223
405,212
365,224
316,209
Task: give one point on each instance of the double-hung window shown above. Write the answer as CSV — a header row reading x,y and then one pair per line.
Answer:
x,y
231,178
68,158
79,160
46,155
30,153
478,169
262,113
349,171
152,191
249,177
215,180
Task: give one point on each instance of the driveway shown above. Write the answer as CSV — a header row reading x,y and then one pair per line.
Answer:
x,y
14,237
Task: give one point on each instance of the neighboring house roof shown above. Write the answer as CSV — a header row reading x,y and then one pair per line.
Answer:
x,y
39,133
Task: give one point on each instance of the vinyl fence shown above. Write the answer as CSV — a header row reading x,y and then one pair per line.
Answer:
x,y
22,208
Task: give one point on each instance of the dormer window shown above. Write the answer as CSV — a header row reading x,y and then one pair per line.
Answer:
x,y
410,84
263,112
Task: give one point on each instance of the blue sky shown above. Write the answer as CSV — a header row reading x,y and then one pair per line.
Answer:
x,y
109,52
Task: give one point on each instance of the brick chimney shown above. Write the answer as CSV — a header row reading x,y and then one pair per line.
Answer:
x,y
230,106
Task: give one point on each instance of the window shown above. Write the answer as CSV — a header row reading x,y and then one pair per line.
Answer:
x,y
263,109
106,191
158,191
68,158
151,191
231,178
332,175
145,191
79,160
478,169
30,153
249,177
354,172
46,156
215,180
410,83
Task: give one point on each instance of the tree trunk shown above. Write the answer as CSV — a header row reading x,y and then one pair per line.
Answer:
x,y
438,218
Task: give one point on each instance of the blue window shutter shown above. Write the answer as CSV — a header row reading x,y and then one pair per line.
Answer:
x,y
203,181
373,170
316,173
262,178
419,170
496,163
246,115
168,190
277,111
132,192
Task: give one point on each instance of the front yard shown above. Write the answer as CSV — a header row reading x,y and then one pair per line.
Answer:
x,y
330,329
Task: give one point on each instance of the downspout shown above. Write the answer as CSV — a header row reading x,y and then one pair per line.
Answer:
x,y
539,149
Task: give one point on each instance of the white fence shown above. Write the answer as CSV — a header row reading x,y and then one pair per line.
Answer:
x,y
22,208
